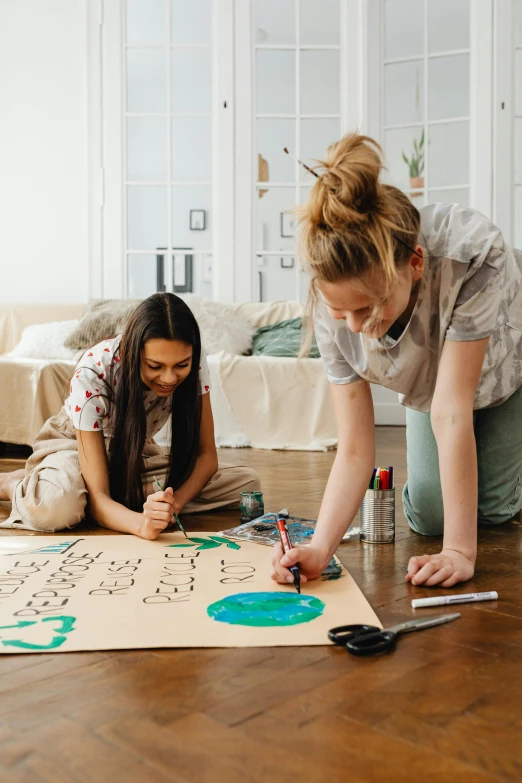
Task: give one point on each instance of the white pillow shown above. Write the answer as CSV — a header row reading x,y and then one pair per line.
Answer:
x,y
45,341
222,328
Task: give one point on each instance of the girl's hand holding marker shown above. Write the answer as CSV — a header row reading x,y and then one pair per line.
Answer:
x,y
158,511
312,562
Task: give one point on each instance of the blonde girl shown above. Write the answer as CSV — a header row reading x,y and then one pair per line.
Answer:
x,y
427,303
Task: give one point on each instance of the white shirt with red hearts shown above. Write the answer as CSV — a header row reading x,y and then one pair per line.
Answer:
x,y
91,389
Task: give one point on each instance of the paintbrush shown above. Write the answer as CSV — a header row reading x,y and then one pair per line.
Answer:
x,y
174,513
285,149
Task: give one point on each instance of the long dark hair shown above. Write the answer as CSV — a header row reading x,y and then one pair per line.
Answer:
x,y
167,317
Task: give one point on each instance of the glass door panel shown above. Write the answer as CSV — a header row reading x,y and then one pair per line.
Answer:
x,y
448,92
427,100
275,226
146,21
400,39
448,25
146,216
404,92
168,146
147,149
277,278
320,81
448,154
319,22
275,22
273,135
298,98
275,82
316,137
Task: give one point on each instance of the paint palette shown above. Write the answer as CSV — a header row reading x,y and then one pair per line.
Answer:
x,y
263,530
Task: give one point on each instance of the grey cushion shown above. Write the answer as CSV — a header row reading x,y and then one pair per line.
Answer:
x,y
104,318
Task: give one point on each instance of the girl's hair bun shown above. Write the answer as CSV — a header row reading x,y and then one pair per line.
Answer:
x,y
348,191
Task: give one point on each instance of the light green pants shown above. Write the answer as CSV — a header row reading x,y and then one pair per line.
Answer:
x,y
498,432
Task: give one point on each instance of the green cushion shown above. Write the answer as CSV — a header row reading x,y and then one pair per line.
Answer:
x,y
282,339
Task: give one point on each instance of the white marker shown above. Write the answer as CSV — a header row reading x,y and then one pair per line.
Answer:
x,y
442,600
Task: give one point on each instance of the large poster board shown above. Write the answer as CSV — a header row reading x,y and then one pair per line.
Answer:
x,y
65,593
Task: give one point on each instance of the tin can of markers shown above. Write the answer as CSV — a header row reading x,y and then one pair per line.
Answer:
x,y
377,516
251,506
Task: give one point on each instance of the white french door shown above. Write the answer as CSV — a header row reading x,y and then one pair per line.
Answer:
x,y
436,123
193,102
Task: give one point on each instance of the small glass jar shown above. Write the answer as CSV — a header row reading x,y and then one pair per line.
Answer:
x,y
251,506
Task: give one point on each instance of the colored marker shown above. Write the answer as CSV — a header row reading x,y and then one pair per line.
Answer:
x,y
464,598
391,485
287,546
372,478
385,477
175,515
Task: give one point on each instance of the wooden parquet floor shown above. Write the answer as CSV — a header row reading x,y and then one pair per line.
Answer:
x,y
445,706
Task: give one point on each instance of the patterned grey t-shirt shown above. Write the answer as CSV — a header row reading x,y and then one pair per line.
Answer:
x,y
471,288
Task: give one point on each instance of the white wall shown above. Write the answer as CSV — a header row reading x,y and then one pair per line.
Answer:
x,y
43,151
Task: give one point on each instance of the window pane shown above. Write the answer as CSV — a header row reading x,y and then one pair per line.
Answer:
x,y
316,136
320,82
396,144
457,196
275,22
275,82
448,25
191,22
404,93
146,80
146,217
272,137
275,280
320,22
191,149
142,275
448,154
191,81
146,21
404,28
448,94
184,199
201,274
146,148
271,223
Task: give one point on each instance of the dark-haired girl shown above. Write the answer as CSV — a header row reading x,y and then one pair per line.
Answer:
x,y
99,452
427,303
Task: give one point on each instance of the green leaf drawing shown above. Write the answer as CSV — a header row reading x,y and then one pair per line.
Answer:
x,y
230,544
212,542
65,625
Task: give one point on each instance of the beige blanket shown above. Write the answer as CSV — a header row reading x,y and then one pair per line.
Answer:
x,y
279,402
31,390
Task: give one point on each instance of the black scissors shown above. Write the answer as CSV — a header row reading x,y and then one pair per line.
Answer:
x,y
370,640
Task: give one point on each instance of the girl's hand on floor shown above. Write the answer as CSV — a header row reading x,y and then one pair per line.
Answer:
x,y
157,514
444,569
311,560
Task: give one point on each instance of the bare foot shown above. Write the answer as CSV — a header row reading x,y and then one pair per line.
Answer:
x,y
8,482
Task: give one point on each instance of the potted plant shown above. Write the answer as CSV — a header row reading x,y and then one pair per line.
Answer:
x,y
416,163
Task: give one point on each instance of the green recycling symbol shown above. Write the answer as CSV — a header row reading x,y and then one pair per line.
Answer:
x,y
212,542
65,626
